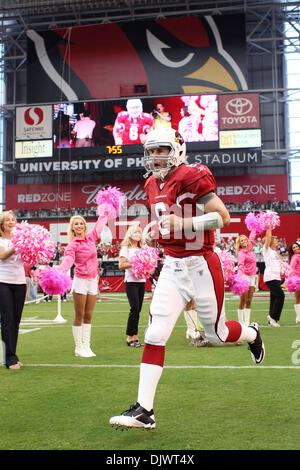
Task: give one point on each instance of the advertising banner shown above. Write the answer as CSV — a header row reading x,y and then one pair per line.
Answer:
x,y
33,148
237,189
239,111
240,138
33,122
238,157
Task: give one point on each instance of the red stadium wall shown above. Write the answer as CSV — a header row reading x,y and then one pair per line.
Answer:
x,y
116,284
289,227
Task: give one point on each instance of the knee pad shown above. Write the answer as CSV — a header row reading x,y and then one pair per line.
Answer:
x,y
158,333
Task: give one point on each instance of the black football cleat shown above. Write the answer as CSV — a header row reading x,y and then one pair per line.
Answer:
x,y
257,347
135,417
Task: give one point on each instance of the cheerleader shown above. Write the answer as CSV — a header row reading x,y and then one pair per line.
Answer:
x,y
12,290
135,288
272,277
82,252
294,260
247,267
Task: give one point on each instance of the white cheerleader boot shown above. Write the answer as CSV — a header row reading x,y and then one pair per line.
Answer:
x,y
77,335
86,339
297,310
240,313
191,323
247,313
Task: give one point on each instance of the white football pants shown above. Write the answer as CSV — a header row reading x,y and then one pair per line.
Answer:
x,y
182,279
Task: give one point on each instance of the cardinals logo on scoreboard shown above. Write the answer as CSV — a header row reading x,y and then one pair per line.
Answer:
x,y
184,55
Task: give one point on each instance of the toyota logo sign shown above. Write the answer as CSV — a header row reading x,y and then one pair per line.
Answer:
x,y
239,111
239,106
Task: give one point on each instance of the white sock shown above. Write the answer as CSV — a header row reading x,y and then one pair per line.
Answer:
x,y
248,334
247,312
149,378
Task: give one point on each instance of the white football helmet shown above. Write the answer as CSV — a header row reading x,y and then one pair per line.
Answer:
x,y
163,137
134,107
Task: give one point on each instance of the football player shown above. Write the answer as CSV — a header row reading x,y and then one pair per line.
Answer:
x,y
131,126
183,199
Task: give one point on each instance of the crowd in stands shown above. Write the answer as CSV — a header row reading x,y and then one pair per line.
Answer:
x,y
141,210
275,205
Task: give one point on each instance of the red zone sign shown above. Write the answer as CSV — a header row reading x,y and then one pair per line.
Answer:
x,y
235,189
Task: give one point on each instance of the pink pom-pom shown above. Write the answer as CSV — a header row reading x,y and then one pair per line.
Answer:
x,y
109,202
144,262
228,263
285,270
238,284
254,222
270,219
54,282
33,243
292,283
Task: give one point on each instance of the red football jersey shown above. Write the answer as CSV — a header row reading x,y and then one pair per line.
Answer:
x,y
131,128
178,195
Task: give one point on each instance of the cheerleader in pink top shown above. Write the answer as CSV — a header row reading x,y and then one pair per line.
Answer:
x,y
247,267
81,252
294,259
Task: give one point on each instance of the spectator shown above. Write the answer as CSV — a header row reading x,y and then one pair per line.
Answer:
x,y
162,118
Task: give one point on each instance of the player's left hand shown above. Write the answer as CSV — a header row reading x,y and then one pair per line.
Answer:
x,y
172,222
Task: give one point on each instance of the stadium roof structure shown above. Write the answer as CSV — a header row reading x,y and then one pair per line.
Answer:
x,y
265,35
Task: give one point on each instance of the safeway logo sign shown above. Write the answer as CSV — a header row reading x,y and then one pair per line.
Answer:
x,y
34,116
239,111
34,123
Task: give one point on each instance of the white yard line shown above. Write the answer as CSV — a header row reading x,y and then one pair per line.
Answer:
x,y
122,366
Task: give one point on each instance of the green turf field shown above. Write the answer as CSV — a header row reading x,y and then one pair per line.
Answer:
x,y
208,398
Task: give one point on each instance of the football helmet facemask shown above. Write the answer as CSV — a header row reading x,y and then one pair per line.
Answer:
x,y
163,137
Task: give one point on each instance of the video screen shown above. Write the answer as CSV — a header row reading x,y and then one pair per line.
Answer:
x,y
126,122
